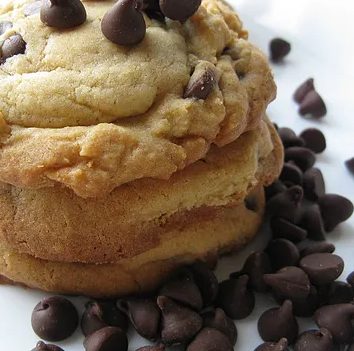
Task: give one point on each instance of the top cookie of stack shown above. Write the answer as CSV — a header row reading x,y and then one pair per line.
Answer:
x,y
101,114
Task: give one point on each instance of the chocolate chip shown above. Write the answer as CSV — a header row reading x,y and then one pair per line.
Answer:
x,y
143,314
304,158
281,345
210,339
313,184
256,265
303,90
312,104
160,347
106,339
322,268
338,320
182,289
283,229
200,84
179,10
13,45
33,8
179,324
307,308
312,222
54,318
274,189
322,247
235,298
279,48
340,292
314,340
282,253
98,315
123,23
350,165
350,279
314,140
278,322
334,210
286,204
5,26
291,173
41,346
218,320
62,13
289,138
151,5
290,283
206,281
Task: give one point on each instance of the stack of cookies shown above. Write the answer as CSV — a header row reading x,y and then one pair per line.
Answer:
x,y
125,153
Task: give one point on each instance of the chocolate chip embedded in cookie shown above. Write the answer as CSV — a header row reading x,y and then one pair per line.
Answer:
x,y
62,13
13,45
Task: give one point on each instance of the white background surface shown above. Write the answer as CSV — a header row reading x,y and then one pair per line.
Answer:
x,y
322,37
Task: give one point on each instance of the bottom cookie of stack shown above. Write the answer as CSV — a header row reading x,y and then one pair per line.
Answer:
x,y
129,241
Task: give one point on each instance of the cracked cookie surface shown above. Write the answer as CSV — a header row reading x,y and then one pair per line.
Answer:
x,y
82,111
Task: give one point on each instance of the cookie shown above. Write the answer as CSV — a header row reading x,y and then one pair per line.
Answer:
x,y
81,111
57,225
231,230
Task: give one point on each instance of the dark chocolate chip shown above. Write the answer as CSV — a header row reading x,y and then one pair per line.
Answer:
x,y
307,308
313,184
340,292
322,268
334,210
179,10
123,23
312,104
62,13
283,229
210,339
286,204
304,158
256,265
291,173
321,247
5,26
235,298
200,84
303,90
181,288
33,8
314,140
13,45
54,318
106,339
274,189
338,320
279,48
41,346
206,281
160,347
151,5
314,340
289,283
350,165
278,322
289,138
282,253
218,320
179,324
98,315
281,345
312,222
350,279
144,314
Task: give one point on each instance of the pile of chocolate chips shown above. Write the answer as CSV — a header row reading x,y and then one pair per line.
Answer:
x,y
193,310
